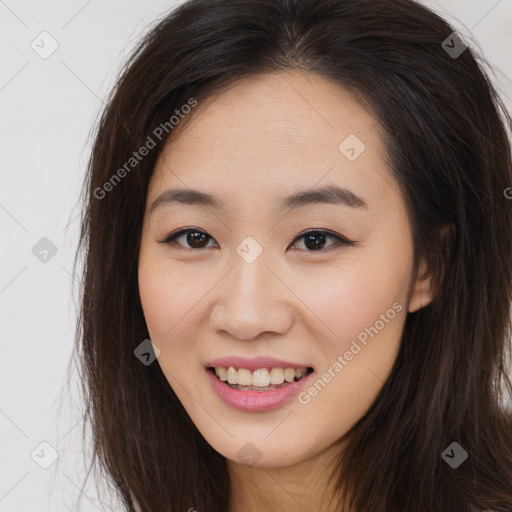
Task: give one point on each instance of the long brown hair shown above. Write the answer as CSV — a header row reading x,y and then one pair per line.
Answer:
x,y
448,147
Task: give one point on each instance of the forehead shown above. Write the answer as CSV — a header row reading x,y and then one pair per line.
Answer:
x,y
274,134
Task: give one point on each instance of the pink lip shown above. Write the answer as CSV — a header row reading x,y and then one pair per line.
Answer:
x,y
255,401
254,363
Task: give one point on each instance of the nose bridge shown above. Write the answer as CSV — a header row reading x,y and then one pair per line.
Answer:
x,y
252,299
250,273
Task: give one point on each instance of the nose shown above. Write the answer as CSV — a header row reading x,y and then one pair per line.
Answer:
x,y
251,300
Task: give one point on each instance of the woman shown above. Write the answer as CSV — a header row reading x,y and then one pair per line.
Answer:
x,y
298,265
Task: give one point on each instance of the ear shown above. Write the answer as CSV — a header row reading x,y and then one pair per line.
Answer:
x,y
421,294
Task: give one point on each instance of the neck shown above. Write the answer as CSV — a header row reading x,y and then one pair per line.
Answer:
x,y
301,486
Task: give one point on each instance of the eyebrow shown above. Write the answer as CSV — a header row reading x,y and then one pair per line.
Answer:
x,y
329,194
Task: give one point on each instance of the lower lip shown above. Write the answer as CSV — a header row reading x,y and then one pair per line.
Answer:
x,y
255,401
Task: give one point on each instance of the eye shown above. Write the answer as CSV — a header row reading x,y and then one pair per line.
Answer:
x,y
195,237
314,240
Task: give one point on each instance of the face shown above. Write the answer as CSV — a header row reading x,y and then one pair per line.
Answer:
x,y
299,302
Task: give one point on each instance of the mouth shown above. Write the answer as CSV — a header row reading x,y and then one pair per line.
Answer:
x,y
256,385
259,379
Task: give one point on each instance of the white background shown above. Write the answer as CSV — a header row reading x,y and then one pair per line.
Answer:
x,y
48,107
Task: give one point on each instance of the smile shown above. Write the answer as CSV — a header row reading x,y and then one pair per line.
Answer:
x,y
261,379
256,385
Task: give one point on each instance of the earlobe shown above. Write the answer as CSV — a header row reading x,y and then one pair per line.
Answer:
x,y
421,294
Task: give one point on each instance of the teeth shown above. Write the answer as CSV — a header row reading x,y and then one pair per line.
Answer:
x,y
300,372
289,374
261,377
232,375
244,377
276,376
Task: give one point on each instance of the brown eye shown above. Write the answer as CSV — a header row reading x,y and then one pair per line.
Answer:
x,y
315,240
193,237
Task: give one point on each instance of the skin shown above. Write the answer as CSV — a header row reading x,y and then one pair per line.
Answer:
x,y
264,138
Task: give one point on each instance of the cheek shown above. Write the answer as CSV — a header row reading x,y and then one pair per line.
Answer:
x,y
171,304
157,301
363,309
352,299
168,296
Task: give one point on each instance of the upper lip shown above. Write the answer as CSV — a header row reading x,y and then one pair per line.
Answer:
x,y
254,363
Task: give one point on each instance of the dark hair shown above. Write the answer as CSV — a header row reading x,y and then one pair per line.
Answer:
x,y
443,124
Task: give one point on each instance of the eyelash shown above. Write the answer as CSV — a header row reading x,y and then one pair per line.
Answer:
x,y
340,240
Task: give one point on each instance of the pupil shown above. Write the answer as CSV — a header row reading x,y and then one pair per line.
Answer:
x,y
195,239
314,243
